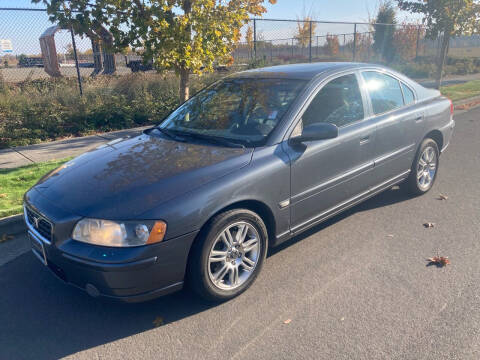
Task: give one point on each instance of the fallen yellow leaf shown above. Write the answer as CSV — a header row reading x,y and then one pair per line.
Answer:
x,y
442,197
5,237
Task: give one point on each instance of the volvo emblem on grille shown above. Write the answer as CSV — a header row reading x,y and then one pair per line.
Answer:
x,y
35,221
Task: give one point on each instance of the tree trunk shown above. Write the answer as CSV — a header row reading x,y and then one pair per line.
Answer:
x,y
185,72
442,59
97,55
184,85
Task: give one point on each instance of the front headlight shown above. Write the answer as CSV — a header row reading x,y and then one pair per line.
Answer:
x,y
119,234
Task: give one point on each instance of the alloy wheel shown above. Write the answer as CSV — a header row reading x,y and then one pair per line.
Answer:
x,y
234,255
426,167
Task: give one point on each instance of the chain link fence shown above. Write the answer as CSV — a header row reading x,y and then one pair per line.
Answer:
x,y
276,41
263,42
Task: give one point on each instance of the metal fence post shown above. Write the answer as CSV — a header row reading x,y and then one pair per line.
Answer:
x,y
76,61
271,51
310,44
354,41
418,42
255,39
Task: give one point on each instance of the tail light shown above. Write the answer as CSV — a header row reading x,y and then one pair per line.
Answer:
x,y
451,107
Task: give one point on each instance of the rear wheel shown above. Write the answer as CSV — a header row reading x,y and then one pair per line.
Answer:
x,y
228,256
424,169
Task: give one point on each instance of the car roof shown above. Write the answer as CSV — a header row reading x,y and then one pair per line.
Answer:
x,y
301,71
309,71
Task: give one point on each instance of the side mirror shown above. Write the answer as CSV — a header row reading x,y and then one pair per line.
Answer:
x,y
317,131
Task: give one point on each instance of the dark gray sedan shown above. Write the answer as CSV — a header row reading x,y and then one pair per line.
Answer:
x,y
247,163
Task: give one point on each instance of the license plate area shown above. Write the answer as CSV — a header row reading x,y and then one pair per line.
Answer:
x,y
38,249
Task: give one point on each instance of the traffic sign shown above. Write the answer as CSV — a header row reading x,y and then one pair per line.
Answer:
x,y
6,45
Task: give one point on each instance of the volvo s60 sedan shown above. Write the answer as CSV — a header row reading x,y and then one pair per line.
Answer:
x,y
247,163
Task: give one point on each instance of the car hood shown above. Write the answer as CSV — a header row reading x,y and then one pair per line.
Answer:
x,y
123,179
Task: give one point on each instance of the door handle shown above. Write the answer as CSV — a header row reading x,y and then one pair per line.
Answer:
x,y
365,140
419,118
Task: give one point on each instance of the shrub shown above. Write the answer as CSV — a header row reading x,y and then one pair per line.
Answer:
x,y
332,45
415,70
405,42
41,110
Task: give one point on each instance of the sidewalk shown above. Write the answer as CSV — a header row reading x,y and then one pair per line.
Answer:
x,y
25,155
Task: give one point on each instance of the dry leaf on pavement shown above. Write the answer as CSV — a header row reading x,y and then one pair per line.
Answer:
x,y
440,261
442,197
288,321
5,237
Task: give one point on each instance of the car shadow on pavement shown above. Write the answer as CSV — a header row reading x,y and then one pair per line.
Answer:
x,y
42,318
392,196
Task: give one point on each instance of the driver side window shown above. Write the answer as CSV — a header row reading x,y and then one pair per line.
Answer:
x,y
339,103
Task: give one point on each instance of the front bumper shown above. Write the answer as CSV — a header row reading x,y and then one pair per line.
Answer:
x,y
125,274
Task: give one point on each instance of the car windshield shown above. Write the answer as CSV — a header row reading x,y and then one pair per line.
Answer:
x,y
240,110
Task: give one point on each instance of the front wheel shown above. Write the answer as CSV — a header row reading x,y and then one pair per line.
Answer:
x,y
424,168
228,256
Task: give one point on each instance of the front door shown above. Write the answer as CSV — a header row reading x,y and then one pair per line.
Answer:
x,y
326,173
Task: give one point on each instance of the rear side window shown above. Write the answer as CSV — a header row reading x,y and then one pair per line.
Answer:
x,y
339,103
408,95
385,92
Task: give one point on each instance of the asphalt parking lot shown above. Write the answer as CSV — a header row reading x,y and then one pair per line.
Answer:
x,y
357,287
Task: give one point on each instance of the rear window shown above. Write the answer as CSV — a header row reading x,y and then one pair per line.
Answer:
x,y
385,92
408,95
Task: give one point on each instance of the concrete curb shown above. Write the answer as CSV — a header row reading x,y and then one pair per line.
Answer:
x,y
467,104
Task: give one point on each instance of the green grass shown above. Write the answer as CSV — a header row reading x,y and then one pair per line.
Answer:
x,y
15,182
462,91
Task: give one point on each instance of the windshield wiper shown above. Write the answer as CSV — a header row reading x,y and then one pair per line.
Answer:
x,y
212,139
172,135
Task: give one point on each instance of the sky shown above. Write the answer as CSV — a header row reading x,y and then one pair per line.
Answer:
x,y
24,28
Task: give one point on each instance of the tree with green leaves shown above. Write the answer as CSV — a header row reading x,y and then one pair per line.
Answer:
x,y
383,33
187,36
445,19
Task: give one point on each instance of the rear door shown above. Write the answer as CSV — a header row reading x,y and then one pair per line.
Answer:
x,y
399,123
325,173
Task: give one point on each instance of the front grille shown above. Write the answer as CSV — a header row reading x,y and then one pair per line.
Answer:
x,y
39,223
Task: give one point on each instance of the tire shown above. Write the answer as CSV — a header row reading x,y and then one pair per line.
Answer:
x,y
212,275
424,168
